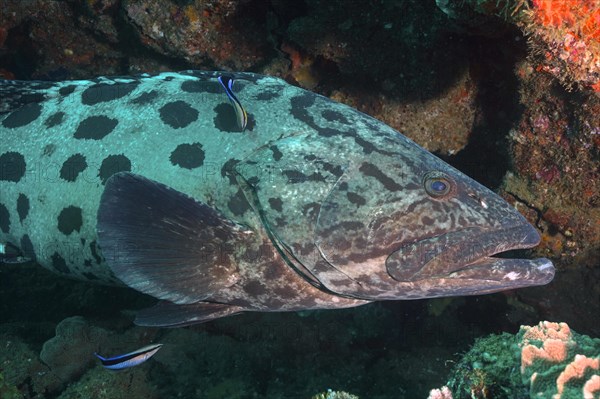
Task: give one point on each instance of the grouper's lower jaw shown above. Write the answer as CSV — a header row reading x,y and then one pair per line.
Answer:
x,y
466,258
491,274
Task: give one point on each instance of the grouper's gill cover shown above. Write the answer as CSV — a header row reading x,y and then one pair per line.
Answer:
x,y
309,204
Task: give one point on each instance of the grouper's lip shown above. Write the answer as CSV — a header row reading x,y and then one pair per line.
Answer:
x,y
468,254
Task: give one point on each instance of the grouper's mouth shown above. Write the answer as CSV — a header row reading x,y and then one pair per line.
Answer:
x,y
469,255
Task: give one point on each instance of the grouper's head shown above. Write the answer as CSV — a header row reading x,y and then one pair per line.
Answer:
x,y
423,229
360,210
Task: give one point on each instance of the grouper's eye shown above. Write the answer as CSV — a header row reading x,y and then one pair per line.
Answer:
x,y
438,185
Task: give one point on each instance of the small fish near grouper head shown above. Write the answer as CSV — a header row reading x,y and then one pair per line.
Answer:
x,y
219,198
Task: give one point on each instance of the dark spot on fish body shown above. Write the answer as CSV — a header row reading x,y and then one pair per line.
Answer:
x,y
90,276
329,132
273,271
4,219
178,114
343,245
251,124
95,253
72,167
95,127
145,98
66,90
22,206
304,249
106,92
295,177
343,186
82,241
334,116
58,262
277,155
228,170
360,242
201,86
27,247
54,119
346,225
299,108
335,170
366,146
87,263
266,95
276,204
254,288
310,157
356,199
70,219
23,116
188,156
370,170
113,164
49,150
12,166
226,119
238,204
426,220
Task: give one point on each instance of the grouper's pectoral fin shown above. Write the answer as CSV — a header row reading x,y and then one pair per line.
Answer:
x,y
161,242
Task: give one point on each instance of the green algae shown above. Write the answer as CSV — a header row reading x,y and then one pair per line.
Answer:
x,y
7,390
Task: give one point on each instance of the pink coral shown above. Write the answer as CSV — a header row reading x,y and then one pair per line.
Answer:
x,y
442,393
559,346
576,370
591,388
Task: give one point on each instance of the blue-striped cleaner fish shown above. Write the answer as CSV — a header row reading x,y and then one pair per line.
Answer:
x,y
130,359
150,182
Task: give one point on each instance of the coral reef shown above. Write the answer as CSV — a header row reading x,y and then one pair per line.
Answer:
x,y
565,40
75,339
555,183
543,361
442,393
564,35
8,391
201,32
334,395
99,383
558,363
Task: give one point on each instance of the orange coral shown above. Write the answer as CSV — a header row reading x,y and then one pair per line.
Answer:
x,y
585,13
568,34
547,329
559,346
591,387
554,351
576,370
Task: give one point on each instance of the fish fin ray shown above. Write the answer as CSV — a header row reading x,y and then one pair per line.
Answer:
x,y
166,314
159,241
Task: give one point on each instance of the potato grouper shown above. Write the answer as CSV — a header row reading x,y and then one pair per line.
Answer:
x,y
223,193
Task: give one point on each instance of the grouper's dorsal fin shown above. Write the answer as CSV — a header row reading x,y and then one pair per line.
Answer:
x,y
159,241
15,94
